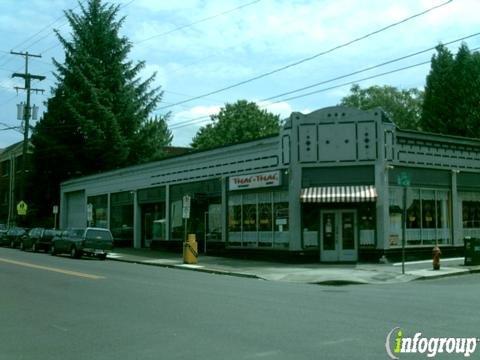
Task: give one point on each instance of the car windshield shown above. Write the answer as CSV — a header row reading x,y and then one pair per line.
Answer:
x,y
52,233
76,232
16,231
99,235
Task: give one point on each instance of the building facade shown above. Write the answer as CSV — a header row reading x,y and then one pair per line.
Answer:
x,y
331,184
11,178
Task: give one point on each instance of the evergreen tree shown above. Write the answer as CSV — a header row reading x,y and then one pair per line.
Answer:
x,y
452,93
97,117
403,106
238,122
437,104
152,137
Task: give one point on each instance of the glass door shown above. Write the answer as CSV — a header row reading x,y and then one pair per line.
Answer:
x,y
329,235
338,232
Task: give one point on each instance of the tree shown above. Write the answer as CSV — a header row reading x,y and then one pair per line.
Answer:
x,y
97,116
403,106
153,136
452,93
238,122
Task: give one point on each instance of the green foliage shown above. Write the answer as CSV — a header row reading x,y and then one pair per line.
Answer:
x,y
152,137
238,122
97,117
452,93
403,106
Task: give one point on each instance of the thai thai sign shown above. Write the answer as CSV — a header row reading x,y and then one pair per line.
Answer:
x,y
254,181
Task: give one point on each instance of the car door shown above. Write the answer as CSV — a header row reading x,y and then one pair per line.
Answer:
x,y
60,241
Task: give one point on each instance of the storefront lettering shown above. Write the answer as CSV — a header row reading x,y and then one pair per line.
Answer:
x,y
255,180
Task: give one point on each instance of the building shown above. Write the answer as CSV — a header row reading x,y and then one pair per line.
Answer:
x,y
11,177
330,184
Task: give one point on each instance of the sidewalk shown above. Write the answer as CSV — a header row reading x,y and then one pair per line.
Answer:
x,y
309,273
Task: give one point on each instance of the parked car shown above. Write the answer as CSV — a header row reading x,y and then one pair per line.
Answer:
x,y
13,236
3,231
86,241
39,239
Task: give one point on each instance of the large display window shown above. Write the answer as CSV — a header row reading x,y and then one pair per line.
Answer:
x,y
470,207
121,218
205,211
258,219
428,220
99,210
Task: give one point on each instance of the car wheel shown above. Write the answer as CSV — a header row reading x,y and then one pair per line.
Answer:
x,y
74,253
53,252
102,256
22,246
34,247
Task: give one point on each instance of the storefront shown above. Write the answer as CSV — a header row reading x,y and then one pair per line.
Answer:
x,y
328,184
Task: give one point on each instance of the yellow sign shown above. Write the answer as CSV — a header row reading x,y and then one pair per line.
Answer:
x,y
22,208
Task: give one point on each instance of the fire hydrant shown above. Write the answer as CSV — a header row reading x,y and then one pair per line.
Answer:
x,y
436,257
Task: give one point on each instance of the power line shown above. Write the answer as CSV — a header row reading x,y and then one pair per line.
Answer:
x,y
181,27
201,119
301,61
367,69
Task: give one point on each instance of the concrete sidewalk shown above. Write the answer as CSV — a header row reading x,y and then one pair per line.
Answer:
x,y
309,273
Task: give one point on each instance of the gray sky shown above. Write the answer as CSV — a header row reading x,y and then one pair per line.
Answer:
x,y
201,46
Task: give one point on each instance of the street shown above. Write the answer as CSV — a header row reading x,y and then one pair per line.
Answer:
x,y
60,308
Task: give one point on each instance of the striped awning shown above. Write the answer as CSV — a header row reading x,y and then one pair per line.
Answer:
x,y
339,194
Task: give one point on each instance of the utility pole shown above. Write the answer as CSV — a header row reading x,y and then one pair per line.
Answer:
x,y
26,113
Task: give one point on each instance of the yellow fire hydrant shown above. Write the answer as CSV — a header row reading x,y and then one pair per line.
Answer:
x,y
190,250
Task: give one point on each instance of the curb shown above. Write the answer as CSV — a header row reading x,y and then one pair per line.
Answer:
x,y
324,282
179,267
465,272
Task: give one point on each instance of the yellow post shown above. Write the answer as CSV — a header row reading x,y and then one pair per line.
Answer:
x,y
190,250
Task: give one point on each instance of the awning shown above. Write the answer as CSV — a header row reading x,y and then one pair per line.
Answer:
x,y
339,194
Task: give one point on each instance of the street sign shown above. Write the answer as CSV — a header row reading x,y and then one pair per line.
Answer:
x,y
55,209
22,208
403,179
89,212
186,207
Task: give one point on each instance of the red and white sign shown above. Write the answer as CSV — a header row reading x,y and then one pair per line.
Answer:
x,y
253,181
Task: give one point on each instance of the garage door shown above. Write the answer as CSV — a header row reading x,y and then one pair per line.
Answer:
x,y
76,211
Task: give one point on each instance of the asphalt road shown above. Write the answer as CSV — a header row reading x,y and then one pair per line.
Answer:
x,y
60,308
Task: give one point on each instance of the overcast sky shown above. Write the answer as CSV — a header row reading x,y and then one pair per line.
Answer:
x,y
201,46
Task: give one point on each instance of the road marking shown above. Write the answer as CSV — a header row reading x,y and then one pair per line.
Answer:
x,y
427,261
47,268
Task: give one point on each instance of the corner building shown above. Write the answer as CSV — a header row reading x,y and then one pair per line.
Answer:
x,y
327,185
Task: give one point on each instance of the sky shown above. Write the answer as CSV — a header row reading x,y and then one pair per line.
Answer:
x,y
210,52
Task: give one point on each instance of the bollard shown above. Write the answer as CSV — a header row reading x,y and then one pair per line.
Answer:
x,y
436,252
190,250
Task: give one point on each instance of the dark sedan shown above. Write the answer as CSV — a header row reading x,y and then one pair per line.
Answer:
x,y
13,236
38,239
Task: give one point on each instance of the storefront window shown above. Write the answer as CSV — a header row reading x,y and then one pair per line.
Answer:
x,y
366,222
121,223
471,214
265,220
281,218
258,219
203,195
100,210
428,217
